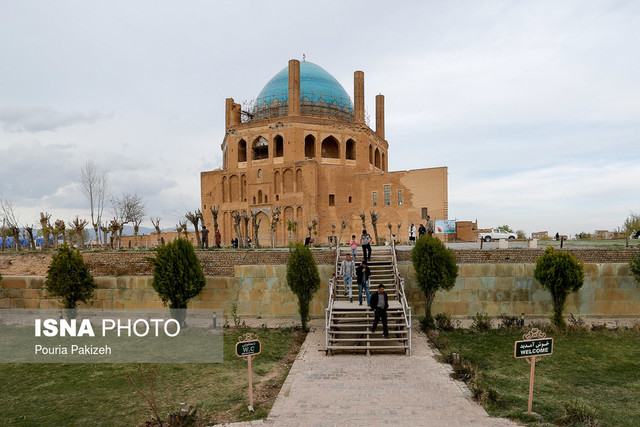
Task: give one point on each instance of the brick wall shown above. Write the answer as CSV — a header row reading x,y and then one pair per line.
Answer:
x,y
528,256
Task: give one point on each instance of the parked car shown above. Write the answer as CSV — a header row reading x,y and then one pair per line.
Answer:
x,y
497,234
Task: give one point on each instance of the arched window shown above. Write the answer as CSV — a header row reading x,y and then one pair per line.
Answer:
x,y
377,159
299,184
234,189
243,187
384,162
279,143
259,197
370,154
330,148
351,149
259,173
242,151
276,182
310,147
260,149
287,181
224,189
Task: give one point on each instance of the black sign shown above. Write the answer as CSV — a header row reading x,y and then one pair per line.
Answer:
x,y
248,348
529,348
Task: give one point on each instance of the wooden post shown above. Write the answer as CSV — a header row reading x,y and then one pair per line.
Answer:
x,y
533,371
251,386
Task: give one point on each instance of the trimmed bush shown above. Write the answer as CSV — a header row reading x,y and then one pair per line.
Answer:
x,y
634,266
561,274
436,270
69,279
177,275
481,322
303,278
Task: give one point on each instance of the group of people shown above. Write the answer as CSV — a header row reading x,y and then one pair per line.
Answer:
x,y
379,302
205,237
429,229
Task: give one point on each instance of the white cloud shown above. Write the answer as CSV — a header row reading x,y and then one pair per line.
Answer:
x,y
533,101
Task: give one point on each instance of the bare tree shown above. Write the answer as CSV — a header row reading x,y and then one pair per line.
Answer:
x,y
214,212
78,229
95,188
194,218
9,222
363,217
343,226
237,219
245,220
4,232
45,227
181,227
292,227
105,231
333,235
255,224
129,208
275,219
29,229
374,223
156,224
115,228
59,227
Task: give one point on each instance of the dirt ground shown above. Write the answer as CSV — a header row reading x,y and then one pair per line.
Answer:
x,y
24,263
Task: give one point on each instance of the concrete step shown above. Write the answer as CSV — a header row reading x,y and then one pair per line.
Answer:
x,y
368,348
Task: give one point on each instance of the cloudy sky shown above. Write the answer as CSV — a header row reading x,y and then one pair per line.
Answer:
x,y
534,106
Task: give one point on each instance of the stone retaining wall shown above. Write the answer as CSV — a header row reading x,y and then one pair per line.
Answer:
x,y
261,290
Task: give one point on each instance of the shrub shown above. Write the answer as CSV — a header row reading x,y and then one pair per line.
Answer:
x,y
634,266
69,279
436,269
561,274
177,276
481,322
303,278
509,322
578,413
444,323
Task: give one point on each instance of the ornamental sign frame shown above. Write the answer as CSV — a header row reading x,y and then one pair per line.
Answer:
x,y
535,344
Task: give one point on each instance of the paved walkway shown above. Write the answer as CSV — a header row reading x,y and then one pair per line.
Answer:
x,y
381,390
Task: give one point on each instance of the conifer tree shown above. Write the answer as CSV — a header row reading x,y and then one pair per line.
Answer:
x,y
177,276
69,279
561,274
436,269
303,278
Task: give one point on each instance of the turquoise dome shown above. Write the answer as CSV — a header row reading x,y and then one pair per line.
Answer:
x,y
317,88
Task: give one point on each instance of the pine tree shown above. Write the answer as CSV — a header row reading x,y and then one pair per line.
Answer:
x,y
177,275
561,274
303,278
436,270
69,279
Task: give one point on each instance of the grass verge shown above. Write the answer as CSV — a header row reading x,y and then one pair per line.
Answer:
x,y
101,394
592,378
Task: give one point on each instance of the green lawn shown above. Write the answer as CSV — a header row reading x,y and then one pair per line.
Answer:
x,y
100,394
602,369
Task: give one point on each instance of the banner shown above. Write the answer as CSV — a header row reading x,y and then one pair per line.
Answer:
x,y
447,226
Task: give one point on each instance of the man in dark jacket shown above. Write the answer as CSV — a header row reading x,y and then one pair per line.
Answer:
x,y
380,303
363,274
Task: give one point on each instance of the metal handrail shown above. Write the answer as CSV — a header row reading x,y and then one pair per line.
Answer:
x,y
399,286
332,290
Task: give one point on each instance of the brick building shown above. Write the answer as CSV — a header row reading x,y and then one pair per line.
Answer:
x,y
305,146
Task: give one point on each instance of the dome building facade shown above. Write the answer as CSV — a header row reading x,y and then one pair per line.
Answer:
x,y
304,147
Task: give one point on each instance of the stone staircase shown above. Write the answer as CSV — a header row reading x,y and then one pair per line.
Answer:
x,y
349,324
